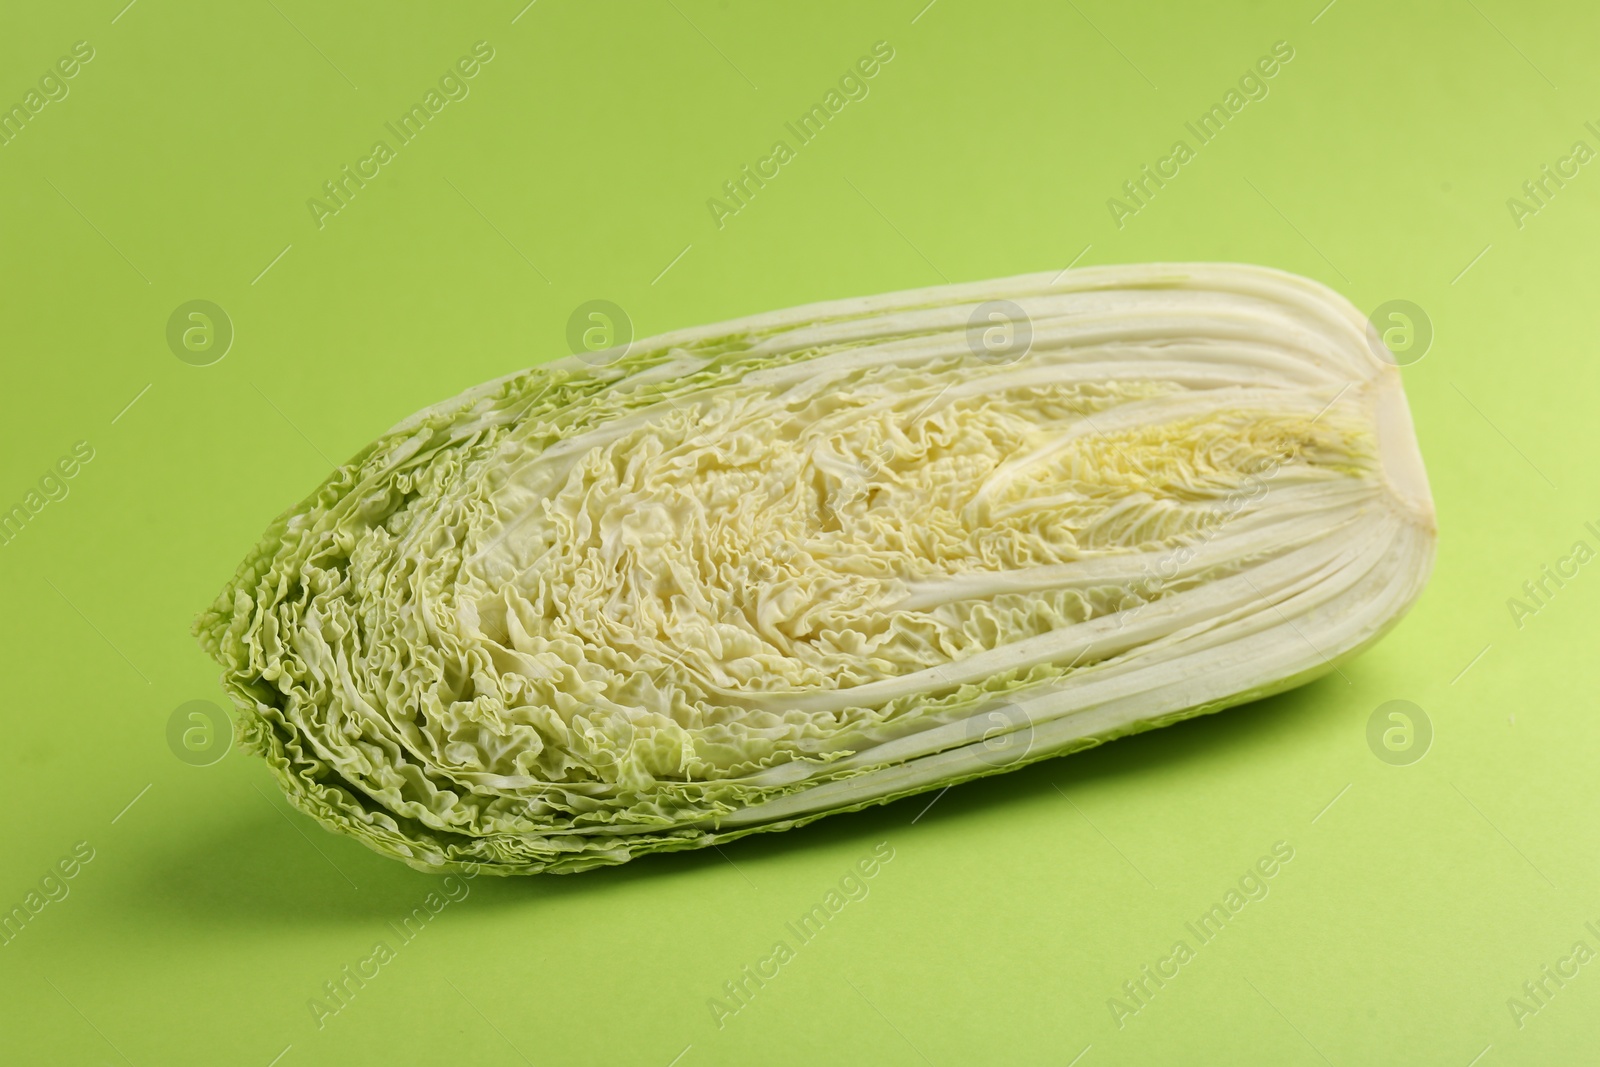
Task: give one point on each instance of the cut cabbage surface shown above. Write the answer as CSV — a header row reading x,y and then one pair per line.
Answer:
x,y
738,577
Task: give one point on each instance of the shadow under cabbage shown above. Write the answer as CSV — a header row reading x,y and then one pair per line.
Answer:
x,y
272,865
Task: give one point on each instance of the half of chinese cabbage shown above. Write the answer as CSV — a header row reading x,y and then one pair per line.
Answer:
x,y
739,577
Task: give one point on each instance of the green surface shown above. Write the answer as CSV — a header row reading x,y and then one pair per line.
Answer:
x,y
179,165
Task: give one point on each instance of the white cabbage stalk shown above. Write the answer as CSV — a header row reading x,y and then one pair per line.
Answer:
x,y
747,575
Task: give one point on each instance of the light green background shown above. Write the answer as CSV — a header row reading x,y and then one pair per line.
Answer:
x,y
180,165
